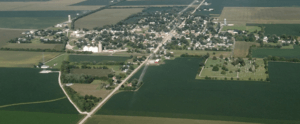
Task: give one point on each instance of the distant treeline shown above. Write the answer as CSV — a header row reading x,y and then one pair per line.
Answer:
x,y
30,49
200,56
276,58
75,78
99,63
86,14
43,50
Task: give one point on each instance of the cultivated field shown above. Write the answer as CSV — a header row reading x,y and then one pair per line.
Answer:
x,y
244,74
107,119
94,58
34,19
91,89
23,58
105,17
94,72
261,15
45,6
37,98
30,22
287,53
7,34
34,46
241,48
167,86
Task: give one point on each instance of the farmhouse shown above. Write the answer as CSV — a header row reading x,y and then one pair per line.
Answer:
x,y
44,66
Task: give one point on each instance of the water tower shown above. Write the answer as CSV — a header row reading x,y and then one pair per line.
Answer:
x,y
70,18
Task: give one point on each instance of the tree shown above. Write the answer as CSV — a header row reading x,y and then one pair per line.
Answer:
x,y
215,68
201,64
214,53
214,58
223,72
226,59
221,56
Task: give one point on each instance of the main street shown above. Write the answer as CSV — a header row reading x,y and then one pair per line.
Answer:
x,y
167,38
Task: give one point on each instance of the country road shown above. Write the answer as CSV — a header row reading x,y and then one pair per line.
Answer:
x,y
61,86
168,37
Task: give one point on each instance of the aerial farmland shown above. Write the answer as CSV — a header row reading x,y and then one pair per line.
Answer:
x,y
162,62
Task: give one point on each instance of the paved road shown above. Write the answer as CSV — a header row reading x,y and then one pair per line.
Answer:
x,y
168,37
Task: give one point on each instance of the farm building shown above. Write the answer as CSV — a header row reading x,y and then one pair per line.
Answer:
x,y
91,49
44,66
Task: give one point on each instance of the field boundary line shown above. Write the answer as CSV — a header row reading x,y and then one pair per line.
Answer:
x,y
26,103
61,86
203,67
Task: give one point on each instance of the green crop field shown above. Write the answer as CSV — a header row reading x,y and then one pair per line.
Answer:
x,y
24,117
23,58
280,29
30,22
93,58
261,15
170,90
6,35
218,5
105,17
107,119
244,74
41,95
50,5
287,53
94,72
